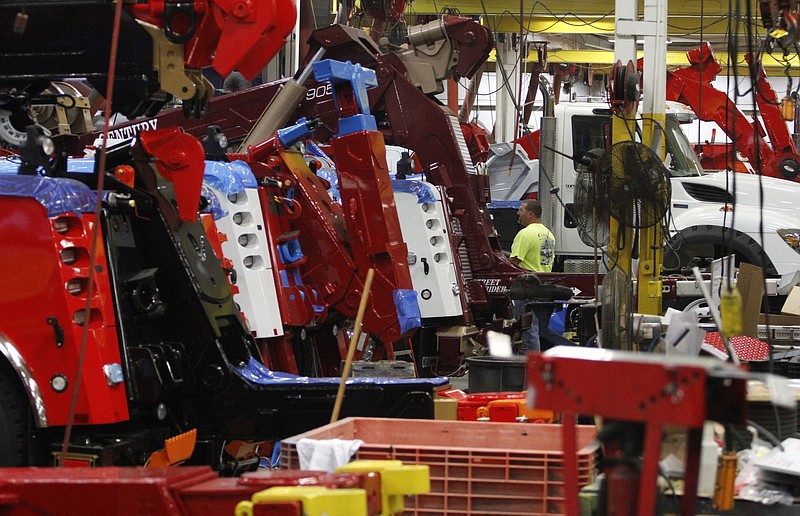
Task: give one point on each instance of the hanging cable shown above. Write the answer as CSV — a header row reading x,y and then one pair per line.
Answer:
x,y
112,60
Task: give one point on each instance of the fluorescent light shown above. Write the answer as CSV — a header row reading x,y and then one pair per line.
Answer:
x,y
640,41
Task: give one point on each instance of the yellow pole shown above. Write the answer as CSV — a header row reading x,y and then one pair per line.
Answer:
x,y
649,285
619,252
351,349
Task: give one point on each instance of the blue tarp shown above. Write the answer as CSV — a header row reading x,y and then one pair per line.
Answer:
x,y
496,205
258,373
229,178
423,191
57,195
407,306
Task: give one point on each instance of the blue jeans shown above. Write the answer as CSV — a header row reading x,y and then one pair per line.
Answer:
x,y
539,337
530,336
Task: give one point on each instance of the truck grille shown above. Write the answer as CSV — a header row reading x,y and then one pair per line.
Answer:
x,y
707,193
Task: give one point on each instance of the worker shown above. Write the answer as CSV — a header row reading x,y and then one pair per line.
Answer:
x,y
533,249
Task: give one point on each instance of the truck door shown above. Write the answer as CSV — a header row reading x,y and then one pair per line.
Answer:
x,y
584,133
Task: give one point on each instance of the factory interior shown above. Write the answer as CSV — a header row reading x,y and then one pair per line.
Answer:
x,y
375,257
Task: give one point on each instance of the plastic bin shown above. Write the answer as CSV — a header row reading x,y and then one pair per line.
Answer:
x,y
490,374
476,468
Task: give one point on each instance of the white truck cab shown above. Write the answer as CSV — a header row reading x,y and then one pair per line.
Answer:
x,y
712,214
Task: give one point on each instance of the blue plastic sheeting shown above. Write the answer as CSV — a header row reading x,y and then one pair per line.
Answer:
x,y
81,165
214,207
496,205
10,165
229,178
408,315
313,149
409,177
256,372
423,191
57,195
327,171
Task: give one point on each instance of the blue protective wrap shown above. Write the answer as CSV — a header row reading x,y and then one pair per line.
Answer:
x,y
81,165
356,123
294,133
407,306
409,177
257,373
229,178
313,149
10,165
327,171
497,205
337,72
214,207
57,195
423,191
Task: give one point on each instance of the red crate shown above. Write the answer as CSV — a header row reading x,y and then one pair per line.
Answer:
x,y
476,468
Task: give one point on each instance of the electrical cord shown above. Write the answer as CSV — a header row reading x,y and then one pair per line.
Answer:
x,y
769,435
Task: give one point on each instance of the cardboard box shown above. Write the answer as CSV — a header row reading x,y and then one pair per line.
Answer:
x,y
790,312
779,320
750,283
792,304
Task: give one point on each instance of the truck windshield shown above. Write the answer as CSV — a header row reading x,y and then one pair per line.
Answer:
x,y
594,132
681,159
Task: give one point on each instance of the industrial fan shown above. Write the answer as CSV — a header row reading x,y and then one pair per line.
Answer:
x,y
589,209
638,189
637,195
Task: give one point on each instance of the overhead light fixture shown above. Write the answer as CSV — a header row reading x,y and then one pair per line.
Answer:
x,y
639,41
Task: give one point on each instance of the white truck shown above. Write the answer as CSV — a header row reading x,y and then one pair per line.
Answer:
x,y
712,214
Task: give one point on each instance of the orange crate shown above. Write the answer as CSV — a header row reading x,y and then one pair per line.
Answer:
x,y
476,468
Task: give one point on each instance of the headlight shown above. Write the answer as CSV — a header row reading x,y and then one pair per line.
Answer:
x,y
791,237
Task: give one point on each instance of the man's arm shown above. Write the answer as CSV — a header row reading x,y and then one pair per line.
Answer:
x,y
516,261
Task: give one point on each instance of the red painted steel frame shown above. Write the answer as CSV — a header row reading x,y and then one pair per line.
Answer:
x,y
653,390
228,34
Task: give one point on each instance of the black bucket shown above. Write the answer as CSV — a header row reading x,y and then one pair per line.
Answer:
x,y
490,374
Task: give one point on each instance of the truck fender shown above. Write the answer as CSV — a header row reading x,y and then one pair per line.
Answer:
x,y
741,244
746,218
20,366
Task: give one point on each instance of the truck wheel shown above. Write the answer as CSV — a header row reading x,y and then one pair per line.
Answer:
x,y
14,417
699,245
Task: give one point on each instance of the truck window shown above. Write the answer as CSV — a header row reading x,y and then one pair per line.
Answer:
x,y
589,132
594,132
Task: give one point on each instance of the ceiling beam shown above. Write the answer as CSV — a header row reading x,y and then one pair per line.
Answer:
x,y
605,58
686,17
557,8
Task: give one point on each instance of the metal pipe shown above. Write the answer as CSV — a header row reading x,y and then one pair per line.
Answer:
x,y
281,107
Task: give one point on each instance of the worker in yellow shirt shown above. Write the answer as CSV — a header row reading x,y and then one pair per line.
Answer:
x,y
533,249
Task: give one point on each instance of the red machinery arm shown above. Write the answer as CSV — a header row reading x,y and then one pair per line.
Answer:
x,y
225,34
692,86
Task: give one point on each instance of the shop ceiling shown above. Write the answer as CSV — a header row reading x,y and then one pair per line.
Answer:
x,y
585,34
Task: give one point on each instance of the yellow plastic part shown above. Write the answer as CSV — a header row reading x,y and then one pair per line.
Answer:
x,y
397,481
730,309
316,500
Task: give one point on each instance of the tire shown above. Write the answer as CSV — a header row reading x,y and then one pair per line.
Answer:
x,y
14,421
709,243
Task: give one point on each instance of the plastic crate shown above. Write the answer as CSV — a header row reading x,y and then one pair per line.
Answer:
x,y
476,468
